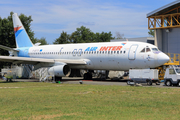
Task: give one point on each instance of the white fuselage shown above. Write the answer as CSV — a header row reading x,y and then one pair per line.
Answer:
x,y
102,56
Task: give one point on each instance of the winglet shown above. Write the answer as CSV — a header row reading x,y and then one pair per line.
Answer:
x,y
21,36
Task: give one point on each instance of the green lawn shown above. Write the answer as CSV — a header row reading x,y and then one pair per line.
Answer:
x,y
34,100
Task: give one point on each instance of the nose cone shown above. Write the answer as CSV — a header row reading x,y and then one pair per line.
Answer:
x,y
162,58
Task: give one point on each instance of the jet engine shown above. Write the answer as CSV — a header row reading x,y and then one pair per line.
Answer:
x,y
60,70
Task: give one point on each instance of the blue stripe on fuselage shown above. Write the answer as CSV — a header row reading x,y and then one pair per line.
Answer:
x,y
23,52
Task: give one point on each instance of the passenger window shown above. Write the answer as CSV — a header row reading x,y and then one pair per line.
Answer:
x,y
124,51
117,52
143,50
121,52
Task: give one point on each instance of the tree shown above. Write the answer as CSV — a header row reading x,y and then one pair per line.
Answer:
x,y
83,35
119,35
7,37
104,37
42,41
63,38
151,33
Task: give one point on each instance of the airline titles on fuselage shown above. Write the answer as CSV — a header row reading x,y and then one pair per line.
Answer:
x,y
89,49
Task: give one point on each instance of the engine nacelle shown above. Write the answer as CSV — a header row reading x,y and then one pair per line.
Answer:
x,y
60,70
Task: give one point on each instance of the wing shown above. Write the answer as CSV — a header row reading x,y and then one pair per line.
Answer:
x,y
34,61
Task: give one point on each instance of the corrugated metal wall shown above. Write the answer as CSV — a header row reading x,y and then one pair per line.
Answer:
x,y
169,42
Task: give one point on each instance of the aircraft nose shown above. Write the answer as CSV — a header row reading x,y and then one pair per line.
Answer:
x,y
162,58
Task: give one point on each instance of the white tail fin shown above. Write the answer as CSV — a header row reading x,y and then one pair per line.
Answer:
x,y
21,36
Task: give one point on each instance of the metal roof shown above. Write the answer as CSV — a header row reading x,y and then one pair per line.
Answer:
x,y
164,9
140,39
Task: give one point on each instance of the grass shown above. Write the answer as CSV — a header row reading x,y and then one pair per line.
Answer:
x,y
33,100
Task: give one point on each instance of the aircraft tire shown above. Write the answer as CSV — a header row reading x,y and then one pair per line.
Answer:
x,y
58,78
85,76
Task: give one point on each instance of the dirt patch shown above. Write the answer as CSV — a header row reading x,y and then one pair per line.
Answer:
x,y
39,117
9,87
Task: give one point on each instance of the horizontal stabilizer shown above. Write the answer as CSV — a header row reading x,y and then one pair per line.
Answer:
x,y
7,48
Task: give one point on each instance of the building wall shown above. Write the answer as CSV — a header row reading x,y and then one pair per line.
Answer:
x,y
159,39
169,42
165,41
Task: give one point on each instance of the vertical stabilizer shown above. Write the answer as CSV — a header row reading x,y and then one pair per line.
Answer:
x,y
21,36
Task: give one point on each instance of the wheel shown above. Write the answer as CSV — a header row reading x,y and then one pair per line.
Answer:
x,y
157,83
128,82
85,76
168,83
89,76
178,84
149,82
58,78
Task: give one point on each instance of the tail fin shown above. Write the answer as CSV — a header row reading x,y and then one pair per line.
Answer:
x,y
21,36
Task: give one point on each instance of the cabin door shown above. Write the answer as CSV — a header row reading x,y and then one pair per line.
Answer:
x,y
132,52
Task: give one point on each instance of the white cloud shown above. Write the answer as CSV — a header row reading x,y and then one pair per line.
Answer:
x,y
70,14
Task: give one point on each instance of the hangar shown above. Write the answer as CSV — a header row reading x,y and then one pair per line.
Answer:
x,y
140,39
165,21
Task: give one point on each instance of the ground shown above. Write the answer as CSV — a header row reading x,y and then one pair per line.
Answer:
x,y
40,100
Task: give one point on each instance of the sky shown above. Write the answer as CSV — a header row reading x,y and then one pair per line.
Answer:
x,y
51,17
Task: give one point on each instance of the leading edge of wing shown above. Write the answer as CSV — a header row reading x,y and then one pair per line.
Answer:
x,y
40,60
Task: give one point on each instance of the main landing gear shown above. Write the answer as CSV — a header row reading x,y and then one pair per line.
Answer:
x,y
88,76
57,78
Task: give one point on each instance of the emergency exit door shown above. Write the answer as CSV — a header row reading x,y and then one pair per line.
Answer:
x,y
132,52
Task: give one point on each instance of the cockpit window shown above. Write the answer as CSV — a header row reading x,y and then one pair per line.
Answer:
x,y
148,50
143,50
155,49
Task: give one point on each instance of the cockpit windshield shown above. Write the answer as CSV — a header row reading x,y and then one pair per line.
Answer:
x,y
143,50
155,49
147,49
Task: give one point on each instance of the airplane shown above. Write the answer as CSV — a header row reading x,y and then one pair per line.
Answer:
x,y
62,58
